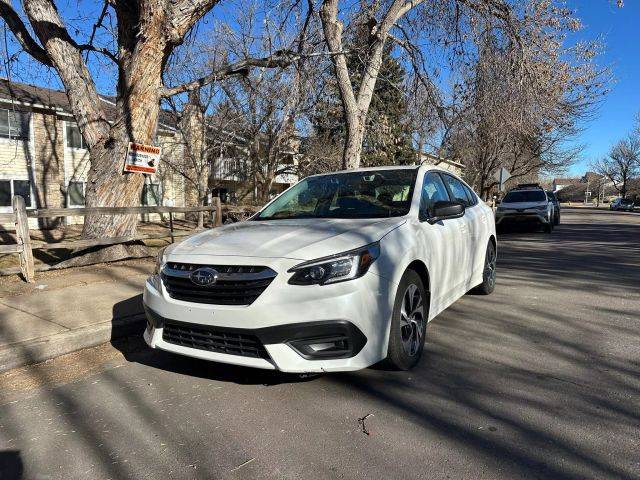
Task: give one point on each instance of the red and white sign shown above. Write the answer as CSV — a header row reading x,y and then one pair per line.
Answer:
x,y
142,158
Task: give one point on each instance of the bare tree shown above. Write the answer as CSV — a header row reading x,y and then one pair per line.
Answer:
x,y
454,29
521,102
148,31
356,105
269,105
622,164
195,164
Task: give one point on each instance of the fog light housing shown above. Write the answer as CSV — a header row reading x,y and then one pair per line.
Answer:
x,y
345,344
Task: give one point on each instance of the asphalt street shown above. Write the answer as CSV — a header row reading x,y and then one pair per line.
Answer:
x,y
539,380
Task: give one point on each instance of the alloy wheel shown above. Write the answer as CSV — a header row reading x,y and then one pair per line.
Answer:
x,y
490,266
412,320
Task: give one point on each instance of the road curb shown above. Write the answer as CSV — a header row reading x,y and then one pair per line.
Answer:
x,y
40,349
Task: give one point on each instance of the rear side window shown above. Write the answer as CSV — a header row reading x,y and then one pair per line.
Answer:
x,y
473,198
458,190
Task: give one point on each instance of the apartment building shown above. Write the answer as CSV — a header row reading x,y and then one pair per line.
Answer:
x,y
44,159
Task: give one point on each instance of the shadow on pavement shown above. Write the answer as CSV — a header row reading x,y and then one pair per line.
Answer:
x,y
136,350
127,338
11,466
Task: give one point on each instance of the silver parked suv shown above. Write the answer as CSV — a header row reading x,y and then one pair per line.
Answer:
x,y
622,204
526,203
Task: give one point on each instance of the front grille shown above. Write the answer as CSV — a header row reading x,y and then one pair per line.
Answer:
x,y
214,339
236,284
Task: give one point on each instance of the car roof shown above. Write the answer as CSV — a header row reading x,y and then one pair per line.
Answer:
x,y
425,166
368,169
526,189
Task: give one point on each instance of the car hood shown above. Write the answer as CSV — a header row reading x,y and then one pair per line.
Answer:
x,y
521,205
303,239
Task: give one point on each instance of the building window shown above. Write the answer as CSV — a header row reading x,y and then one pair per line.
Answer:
x,y
9,188
150,195
75,193
5,193
14,125
74,137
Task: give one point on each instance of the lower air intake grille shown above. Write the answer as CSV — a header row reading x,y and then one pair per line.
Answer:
x,y
214,339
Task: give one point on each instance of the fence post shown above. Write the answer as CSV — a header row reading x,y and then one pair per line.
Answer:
x,y
171,225
218,217
22,232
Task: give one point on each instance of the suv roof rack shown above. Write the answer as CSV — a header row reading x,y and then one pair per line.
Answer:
x,y
530,185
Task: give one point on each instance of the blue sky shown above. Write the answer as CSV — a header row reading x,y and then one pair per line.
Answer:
x,y
620,31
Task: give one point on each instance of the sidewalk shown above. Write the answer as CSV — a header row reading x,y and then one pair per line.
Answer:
x,y
67,310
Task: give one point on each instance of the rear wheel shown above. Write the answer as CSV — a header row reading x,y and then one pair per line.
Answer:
x,y
488,284
408,323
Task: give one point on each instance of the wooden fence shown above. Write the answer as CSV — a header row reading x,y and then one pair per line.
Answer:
x,y
24,246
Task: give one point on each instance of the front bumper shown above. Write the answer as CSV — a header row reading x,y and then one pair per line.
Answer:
x,y
521,217
287,320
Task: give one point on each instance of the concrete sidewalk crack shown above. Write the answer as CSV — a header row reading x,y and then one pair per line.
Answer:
x,y
34,315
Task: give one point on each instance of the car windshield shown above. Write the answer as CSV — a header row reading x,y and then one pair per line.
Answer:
x,y
525,196
626,201
364,194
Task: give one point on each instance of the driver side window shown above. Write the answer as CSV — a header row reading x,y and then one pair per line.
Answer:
x,y
433,190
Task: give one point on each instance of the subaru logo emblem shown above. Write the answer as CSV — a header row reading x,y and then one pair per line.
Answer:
x,y
204,276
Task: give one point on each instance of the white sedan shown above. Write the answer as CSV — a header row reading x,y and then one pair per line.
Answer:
x,y
337,273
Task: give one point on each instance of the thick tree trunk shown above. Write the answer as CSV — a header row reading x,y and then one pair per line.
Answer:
x,y
352,153
203,184
148,31
193,130
138,107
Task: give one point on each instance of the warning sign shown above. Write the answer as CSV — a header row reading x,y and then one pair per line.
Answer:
x,y
142,158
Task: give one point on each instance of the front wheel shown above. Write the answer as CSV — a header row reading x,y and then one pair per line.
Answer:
x,y
408,323
488,284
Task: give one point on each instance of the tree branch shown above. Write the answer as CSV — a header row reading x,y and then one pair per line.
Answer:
x,y
97,25
280,59
19,30
87,47
184,14
67,59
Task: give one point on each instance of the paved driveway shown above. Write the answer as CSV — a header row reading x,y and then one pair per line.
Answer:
x,y
539,380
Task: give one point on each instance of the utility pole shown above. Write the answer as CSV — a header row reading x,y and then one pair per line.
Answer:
x,y
587,193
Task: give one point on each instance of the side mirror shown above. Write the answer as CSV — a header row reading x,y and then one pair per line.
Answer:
x,y
443,210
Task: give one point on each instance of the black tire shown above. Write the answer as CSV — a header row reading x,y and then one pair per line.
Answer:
x,y
408,323
488,284
548,227
556,220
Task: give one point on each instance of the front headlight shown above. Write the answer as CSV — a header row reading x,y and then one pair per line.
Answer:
x,y
541,208
336,268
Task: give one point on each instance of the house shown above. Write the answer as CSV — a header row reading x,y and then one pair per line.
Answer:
x,y
560,183
44,159
230,177
441,162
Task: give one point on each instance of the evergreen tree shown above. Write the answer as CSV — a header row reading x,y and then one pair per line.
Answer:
x,y
388,135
